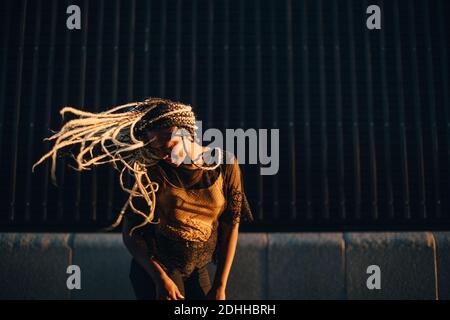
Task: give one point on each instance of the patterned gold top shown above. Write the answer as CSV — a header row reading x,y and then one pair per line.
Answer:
x,y
190,205
189,214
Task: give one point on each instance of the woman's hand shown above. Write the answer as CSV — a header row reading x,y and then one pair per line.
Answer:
x,y
166,289
216,293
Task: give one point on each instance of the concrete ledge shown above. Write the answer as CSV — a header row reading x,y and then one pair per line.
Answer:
x,y
413,265
406,261
443,263
306,266
248,280
33,266
104,262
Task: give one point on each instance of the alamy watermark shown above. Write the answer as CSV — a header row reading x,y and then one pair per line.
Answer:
x,y
74,280
250,146
374,280
73,21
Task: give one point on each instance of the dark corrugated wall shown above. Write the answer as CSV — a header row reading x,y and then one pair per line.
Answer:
x,y
363,115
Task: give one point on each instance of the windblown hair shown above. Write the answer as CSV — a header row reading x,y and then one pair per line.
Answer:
x,y
116,136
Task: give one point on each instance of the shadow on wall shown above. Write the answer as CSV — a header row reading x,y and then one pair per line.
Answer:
x,y
413,265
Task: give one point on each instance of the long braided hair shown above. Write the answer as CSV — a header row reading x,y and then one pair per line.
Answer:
x,y
116,136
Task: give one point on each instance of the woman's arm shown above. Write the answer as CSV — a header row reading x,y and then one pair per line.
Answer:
x,y
228,236
138,248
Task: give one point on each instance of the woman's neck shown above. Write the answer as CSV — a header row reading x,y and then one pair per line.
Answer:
x,y
194,154
195,157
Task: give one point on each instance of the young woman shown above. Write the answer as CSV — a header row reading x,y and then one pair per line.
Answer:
x,y
186,201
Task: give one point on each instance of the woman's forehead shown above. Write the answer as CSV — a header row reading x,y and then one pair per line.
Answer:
x,y
161,135
166,131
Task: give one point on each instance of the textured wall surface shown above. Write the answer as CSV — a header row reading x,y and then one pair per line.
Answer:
x,y
363,115
413,265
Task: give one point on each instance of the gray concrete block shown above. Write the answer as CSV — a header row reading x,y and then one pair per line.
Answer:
x,y
443,263
406,261
306,266
248,275
105,263
33,266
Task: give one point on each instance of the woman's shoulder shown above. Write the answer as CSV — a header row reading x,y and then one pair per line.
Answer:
x,y
229,165
227,158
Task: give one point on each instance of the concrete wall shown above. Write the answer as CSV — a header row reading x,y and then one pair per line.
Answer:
x,y
413,265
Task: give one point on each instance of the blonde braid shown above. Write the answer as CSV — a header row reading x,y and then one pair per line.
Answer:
x,y
113,132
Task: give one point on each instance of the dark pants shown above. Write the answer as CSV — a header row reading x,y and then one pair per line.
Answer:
x,y
193,287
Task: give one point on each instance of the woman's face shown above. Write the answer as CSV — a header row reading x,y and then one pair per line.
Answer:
x,y
167,144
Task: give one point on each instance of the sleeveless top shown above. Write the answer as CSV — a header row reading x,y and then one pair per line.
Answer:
x,y
189,214
190,205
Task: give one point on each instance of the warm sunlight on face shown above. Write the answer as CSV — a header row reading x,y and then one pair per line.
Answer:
x,y
167,145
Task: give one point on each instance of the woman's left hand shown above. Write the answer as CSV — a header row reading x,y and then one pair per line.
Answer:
x,y
216,293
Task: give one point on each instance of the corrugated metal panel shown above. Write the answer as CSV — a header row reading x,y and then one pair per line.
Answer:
x,y
363,115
